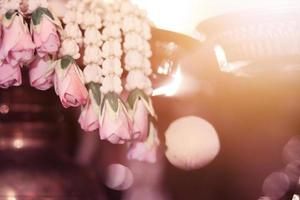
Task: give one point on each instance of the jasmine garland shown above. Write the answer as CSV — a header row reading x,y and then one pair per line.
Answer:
x,y
52,52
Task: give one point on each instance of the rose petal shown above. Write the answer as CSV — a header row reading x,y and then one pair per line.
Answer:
x,y
46,40
88,119
115,127
10,75
40,74
70,87
17,46
140,120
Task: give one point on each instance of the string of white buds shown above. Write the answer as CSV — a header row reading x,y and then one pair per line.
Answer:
x,y
112,52
136,29
72,36
24,6
34,4
91,24
6,5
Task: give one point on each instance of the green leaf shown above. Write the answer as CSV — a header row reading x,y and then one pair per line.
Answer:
x,y
36,16
113,100
48,13
9,14
95,88
136,94
66,61
38,13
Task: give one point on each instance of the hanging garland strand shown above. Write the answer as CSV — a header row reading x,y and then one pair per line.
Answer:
x,y
137,33
68,78
115,123
92,59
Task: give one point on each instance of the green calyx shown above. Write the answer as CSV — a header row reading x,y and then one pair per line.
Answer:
x,y
9,14
38,13
113,100
66,61
135,95
95,88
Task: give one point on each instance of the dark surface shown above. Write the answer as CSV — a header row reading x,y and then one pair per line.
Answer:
x,y
35,145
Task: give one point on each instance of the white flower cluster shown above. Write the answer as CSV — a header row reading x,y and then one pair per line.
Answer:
x,y
112,52
92,73
6,5
34,4
105,49
92,59
72,36
137,49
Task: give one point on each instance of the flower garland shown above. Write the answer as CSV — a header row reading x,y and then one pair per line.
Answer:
x,y
18,45
109,35
115,123
136,29
69,79
92,58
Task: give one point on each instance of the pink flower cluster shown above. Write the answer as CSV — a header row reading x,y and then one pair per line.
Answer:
x,y
37,50
119,126
18,46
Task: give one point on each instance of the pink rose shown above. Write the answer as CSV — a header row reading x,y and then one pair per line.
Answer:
x,y
17,46
45,37
0,34
10,75
141,107
115,125
69,83
41,73
140,120
146,150
88,119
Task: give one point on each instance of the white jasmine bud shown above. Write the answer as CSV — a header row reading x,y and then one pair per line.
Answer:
x,y
112,31
133,59
133,41
92,73
112,66
70,47
112,49
92,55
72,31
131,24
92,37
70,17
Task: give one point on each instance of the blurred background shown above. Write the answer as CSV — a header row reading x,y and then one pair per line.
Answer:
x,y
234,63
184,16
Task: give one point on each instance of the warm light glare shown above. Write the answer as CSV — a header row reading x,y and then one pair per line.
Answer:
x,y
11,195
226,66
164,69
172,88
18,143
184,15
221,58
173,15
